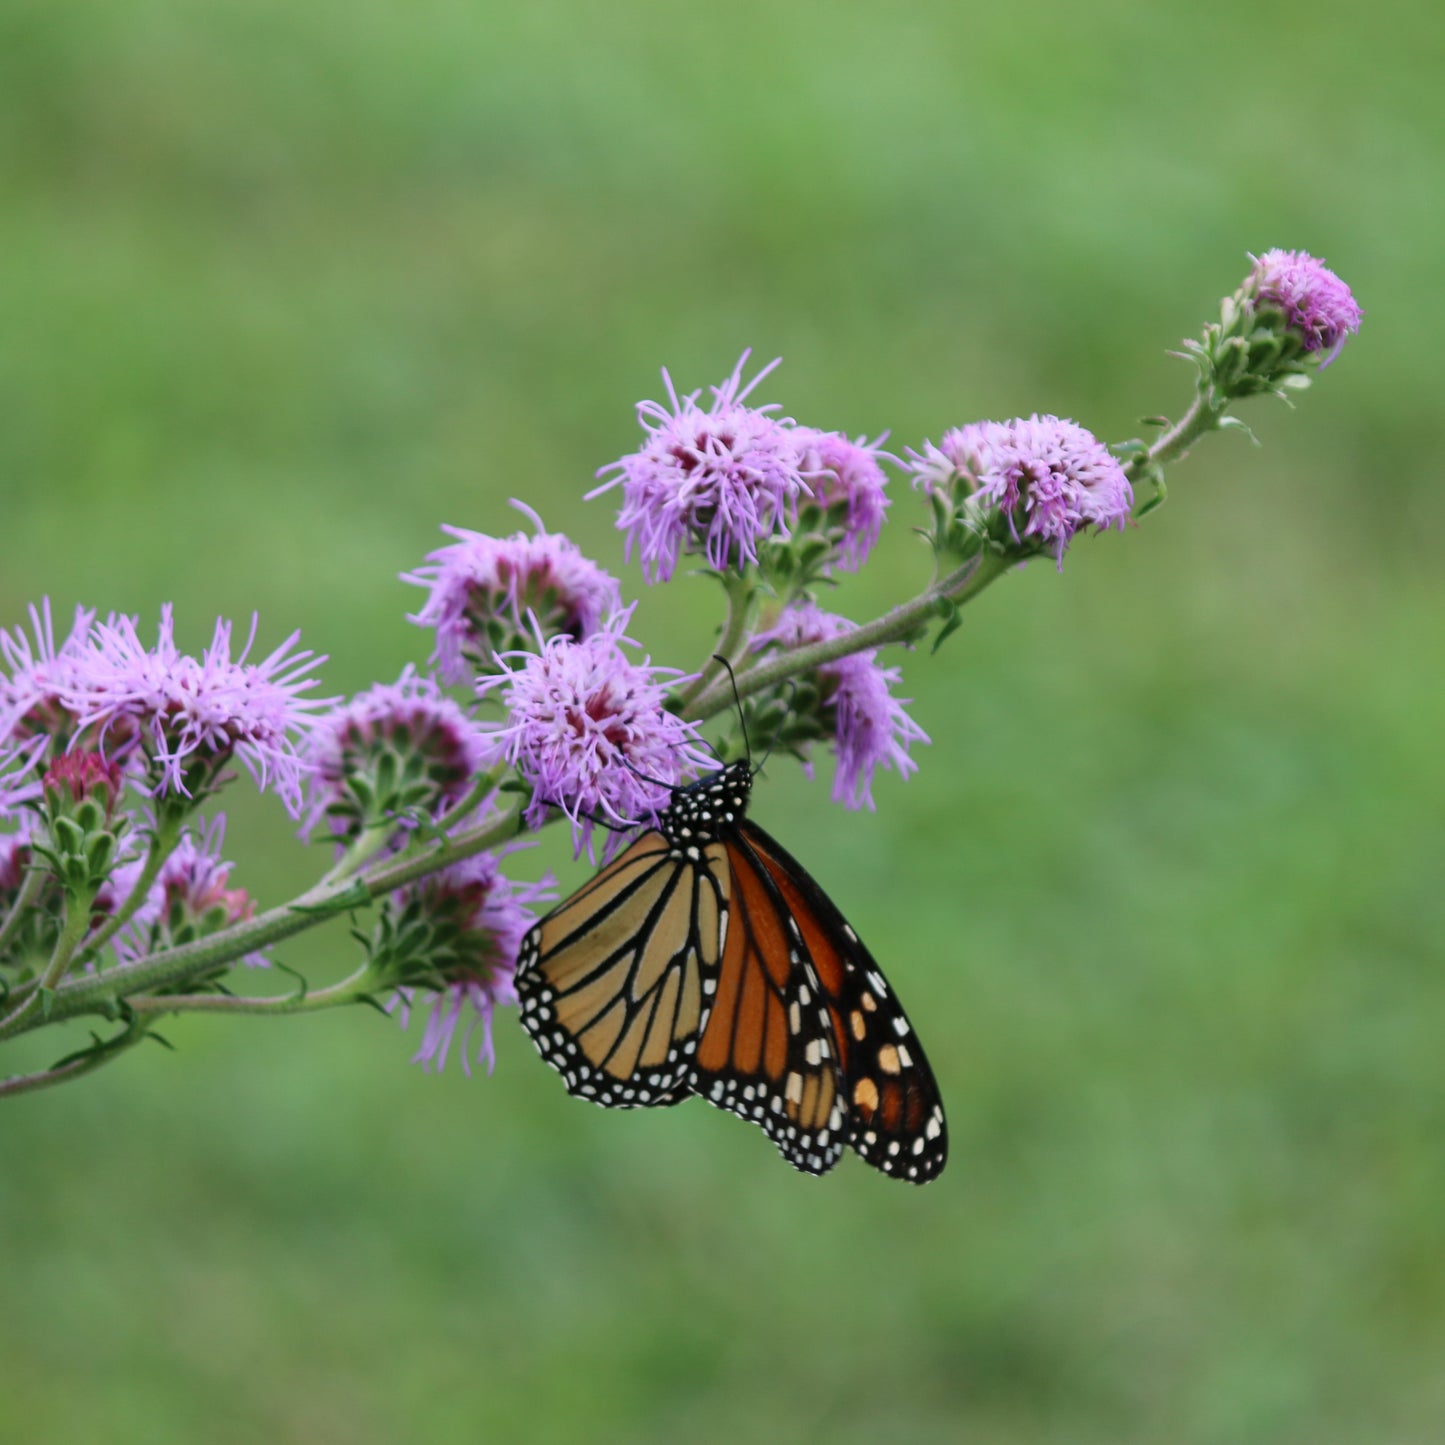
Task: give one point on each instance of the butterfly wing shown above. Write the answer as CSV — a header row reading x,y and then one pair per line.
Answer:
x,y
894,1114
616,983
767,1053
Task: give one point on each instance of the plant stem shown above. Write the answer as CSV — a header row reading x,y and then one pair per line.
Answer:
x,y
959,586
87,1063
167,835
1203,416
77,922
303,1001
743,601
100,991
34,880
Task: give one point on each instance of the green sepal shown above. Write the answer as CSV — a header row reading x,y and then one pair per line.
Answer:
x,y
952,616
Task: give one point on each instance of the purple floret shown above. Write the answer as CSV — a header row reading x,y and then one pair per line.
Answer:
x,y
720,480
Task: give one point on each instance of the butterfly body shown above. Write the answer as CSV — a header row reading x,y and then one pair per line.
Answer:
x,y
705,960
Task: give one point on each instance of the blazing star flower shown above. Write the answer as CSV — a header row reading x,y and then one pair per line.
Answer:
x,y
588,730
1048,478
1317,305
721,480
39,673
478,916
435,748
189,715
847,483
189,898
870,727
484,590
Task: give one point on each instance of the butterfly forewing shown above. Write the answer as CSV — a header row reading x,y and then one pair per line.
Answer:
x,y
615,984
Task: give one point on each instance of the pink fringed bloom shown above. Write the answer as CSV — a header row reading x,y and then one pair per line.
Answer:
x,y
39,673
478,917
188,900
588,731
870,727
191,715
436,751
719,480
485,591
1049,478
847,483
1317,305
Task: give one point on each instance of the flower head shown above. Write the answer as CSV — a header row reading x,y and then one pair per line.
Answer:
x,y
720,479
31,696
401,746
478,917
1047,477
190,715
486,592
848,500
869,726
188,900
588,730
1318,307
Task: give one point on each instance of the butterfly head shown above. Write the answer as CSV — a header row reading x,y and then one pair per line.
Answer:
x,y
706,809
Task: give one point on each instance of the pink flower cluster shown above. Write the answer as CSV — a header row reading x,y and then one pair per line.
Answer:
x,y
723,479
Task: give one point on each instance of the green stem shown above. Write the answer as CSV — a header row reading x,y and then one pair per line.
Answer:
x,y
29,888
167,835
742,615
72,931
1203,416
959,586
100,992
303,1001
90,1061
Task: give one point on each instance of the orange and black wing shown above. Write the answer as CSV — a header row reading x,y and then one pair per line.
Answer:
x,y
617,982
767,1052
891,1108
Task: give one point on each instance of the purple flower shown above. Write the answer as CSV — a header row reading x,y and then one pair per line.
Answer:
x,y
1317,305
588,730
478,917
435,751
1048,478
870,726
39,673
720,480
188,900
484,590
847,483
189,715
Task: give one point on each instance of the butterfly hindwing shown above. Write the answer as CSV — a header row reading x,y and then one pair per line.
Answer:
x,y
894,1110
768,1053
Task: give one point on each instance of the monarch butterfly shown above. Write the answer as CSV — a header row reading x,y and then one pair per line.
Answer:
x,y
704,960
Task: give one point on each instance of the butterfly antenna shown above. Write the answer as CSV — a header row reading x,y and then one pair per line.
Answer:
x,y
737,698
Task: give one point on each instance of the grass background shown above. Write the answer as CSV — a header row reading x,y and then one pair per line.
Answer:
x,y
285,287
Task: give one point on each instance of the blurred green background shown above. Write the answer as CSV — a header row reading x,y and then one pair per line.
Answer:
x,y
284,287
